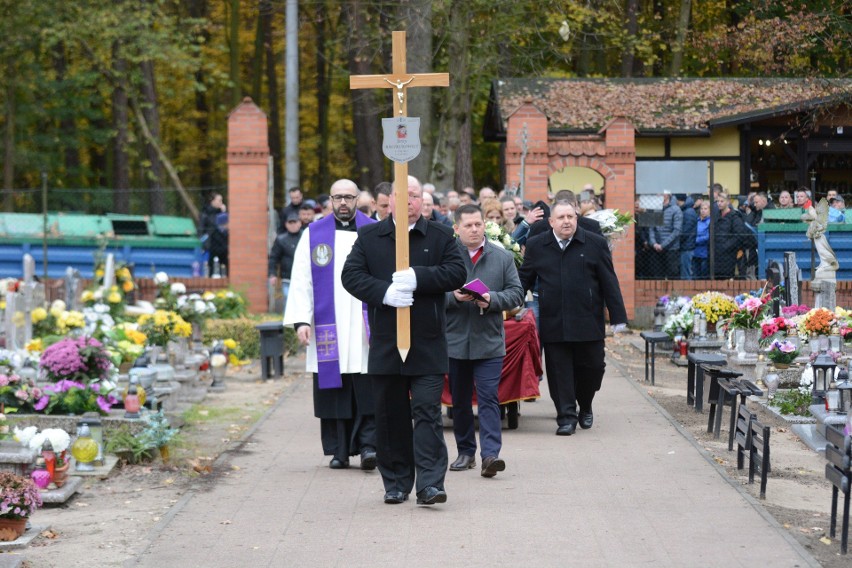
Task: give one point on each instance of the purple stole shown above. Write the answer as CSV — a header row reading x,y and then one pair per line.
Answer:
x,y
322,274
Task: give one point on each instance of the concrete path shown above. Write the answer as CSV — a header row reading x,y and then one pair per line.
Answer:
x,y
632,491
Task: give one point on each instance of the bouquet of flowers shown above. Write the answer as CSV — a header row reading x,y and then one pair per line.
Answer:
x,y
749,315
72,397
236,354
782,352
195,309
794,310
125,343
19,496
497,234
778,325
614,223
715,305
680,324
163,326
55,321
167,292
82,359
59,440
819,321
13,391
229,304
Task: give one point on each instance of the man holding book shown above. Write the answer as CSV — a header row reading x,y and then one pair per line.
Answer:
x,y
476,340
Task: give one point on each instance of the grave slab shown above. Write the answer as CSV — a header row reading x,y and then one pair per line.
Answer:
x,y
62,494
22,541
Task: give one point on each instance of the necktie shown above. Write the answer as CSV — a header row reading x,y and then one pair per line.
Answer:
x,y
476,256
563,244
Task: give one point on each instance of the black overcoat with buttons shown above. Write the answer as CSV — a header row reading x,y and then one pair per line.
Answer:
x,y
574,286
439,267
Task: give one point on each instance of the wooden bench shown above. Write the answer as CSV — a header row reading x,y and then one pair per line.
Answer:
x,y
838,470
752,439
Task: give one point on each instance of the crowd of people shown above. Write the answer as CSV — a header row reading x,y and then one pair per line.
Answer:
x,y
383,404
678,247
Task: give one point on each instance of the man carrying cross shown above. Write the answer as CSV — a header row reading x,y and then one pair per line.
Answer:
x,y
332,324
407,455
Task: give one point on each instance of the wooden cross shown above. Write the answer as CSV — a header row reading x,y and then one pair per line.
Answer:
x,y
400,80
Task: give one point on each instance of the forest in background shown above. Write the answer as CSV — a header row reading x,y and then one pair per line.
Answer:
x,y
121,105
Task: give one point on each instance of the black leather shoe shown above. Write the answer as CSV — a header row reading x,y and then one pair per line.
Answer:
x,y
463,462
491,465
431,495
395,497
338,464
566,429
368,460
586,419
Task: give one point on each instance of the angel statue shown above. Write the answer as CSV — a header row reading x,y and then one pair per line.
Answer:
x,y
817,217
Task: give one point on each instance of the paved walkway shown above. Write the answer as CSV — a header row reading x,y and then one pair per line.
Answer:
x,y
631,491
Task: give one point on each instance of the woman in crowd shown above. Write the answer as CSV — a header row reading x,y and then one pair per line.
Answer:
x,y
700,256
493,211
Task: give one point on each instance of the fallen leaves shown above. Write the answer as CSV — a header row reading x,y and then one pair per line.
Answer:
x,y
202,465
49,534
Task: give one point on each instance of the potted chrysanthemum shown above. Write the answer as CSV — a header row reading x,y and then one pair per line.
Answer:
x,y
19,498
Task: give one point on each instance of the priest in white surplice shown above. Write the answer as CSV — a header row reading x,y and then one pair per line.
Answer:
x,y
332,324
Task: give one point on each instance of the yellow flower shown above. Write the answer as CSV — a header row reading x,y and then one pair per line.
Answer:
x,y
114,298
38,314
230,344
99,273
123,273
127,286
87,296
2,304
35,345
207,296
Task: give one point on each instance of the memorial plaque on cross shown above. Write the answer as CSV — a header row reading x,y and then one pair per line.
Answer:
x,y
401,152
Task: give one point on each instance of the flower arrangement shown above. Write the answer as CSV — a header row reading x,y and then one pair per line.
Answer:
x,y
782,352
59,441
778,325
819,321
614,223
55,321
794,310
749,315
163,326
81,359
229,304
125,343
14,392
497,234
715,305
19,496
236,354
72,397
195,309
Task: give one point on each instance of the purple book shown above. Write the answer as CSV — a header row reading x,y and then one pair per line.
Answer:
x,y
475,288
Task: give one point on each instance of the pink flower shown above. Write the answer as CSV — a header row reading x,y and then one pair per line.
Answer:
x,y
22,394
4,380
752,304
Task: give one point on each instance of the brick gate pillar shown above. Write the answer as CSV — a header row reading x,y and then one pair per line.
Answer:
x,y
620,194
248,155
536,172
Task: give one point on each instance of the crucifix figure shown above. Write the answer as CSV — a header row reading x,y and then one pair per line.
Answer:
x,y
400,80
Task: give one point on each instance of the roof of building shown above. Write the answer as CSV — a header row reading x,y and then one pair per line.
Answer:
x,y
657,105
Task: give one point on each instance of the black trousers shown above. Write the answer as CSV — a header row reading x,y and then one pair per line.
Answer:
x,y
575,372
409,431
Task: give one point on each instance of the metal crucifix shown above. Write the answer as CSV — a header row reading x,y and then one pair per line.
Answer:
x,y
401,81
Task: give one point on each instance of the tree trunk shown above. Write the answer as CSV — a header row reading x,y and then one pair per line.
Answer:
x,y
67,126
418,17
324,56
365,113
234,52
151,110
257,68
266,11
680,39
9,146
631,28
120,161
198,9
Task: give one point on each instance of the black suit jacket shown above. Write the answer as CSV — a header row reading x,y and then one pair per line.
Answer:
x,y
439,267
574,286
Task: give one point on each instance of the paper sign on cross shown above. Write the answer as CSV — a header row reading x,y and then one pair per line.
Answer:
x,y
400,81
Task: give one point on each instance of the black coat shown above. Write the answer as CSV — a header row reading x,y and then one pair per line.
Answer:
x,y
574,285
439,268
283,252
730,236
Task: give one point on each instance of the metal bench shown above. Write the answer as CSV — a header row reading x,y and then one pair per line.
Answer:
x,y
717,397
838,470
652,338
695,376
752,439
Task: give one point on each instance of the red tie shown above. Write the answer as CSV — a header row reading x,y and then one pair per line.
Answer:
x,y
476,255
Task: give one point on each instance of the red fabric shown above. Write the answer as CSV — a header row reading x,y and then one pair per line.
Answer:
x,y
521,366
476,255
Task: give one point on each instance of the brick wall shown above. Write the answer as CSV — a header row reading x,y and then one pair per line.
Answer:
x,y
248,155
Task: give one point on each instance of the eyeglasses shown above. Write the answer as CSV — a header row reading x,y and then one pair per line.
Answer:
x,y
341,198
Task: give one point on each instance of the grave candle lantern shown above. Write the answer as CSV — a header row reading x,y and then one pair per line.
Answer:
x,y
824,367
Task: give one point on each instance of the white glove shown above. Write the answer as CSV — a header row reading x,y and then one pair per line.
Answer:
x,y
399,296
619,328
406,278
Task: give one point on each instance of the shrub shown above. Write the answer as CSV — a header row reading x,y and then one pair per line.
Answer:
x,y
242,331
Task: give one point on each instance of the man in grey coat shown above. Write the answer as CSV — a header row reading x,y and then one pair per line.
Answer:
x,y
476,341
665,240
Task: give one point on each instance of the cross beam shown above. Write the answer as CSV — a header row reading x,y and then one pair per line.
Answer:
x,y
401,81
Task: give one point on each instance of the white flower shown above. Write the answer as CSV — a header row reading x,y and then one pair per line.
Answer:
x,y
807,379
208,295
98,294
24,436
59,439
161,278
178,288
57,307
218,360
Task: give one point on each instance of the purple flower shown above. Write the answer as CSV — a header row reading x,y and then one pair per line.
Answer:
x,y
4,380
104,404
41,404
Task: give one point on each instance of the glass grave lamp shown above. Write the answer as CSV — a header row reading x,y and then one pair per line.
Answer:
x,y
659,316
49,457
84,449
218,363
835,342
824,367
96,427
131,403
844,389
40,475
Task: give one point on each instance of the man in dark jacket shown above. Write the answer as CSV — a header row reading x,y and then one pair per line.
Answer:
x,y
407,454
296,199
729,235
477,343
283,251
576,279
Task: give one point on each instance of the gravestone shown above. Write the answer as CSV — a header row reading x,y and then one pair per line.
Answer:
x,y
33,296
774,278
825,294
72,282
792,279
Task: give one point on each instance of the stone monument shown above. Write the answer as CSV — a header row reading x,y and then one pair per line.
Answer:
x,y
824,282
